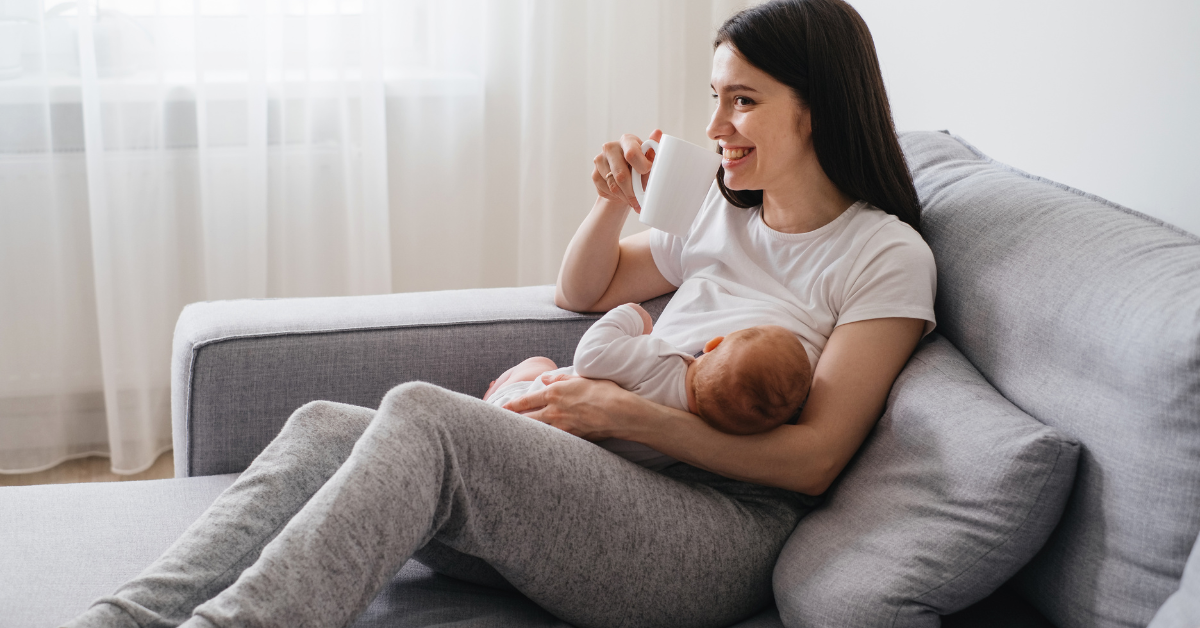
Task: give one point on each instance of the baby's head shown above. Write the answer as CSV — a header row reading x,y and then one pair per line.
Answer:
x,y
752,380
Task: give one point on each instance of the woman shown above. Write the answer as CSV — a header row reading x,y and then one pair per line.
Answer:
x,y
344,496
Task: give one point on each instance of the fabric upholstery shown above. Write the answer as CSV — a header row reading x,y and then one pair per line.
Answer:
x,y
954,490
1086,315
241,367
66,545
1182,609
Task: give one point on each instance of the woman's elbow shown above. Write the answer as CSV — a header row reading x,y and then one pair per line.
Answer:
x,y
817,477
561,300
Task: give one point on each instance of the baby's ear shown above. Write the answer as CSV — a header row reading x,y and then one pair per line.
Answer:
x,y
712,344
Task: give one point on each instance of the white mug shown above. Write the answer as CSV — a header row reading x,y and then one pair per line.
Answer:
x,y
680,178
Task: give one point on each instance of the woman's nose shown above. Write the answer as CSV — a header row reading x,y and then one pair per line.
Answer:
x,y
719,126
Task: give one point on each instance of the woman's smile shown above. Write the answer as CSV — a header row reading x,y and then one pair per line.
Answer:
x,y
733,157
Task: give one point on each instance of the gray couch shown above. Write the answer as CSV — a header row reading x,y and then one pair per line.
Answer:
x,y
1063,318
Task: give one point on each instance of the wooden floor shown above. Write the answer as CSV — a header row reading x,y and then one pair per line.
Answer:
x,y
90,469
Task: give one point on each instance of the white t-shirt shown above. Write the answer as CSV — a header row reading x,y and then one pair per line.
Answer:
x,y
732,271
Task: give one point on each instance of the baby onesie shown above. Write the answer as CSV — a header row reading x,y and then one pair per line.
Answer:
x,y
614,348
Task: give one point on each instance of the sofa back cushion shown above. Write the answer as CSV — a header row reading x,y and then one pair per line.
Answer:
x,y
1086,315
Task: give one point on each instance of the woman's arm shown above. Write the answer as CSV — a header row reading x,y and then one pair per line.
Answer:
x,y
850,387
599,271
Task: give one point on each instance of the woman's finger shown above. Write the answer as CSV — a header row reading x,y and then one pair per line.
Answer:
x,y
620,175
527,403
655,135
555,420
631,146
599,174
603,188
557,377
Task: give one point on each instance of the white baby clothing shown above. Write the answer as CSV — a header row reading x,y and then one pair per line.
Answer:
x,y
614,348
733,271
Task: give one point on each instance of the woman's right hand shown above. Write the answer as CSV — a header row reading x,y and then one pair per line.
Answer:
x,y
615,166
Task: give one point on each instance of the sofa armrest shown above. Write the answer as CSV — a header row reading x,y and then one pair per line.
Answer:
x,y
240,368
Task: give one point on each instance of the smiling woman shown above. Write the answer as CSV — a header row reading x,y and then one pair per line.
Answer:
x,y
790,235
842,105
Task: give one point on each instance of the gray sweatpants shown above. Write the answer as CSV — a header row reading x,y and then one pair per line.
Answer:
x,y
331,509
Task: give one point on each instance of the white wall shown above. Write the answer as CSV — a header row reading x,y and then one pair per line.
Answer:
x,y
1097,94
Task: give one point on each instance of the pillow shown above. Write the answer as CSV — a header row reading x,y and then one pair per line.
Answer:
x,y
1182,609
954,490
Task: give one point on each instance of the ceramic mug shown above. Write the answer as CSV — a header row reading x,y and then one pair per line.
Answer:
x,y
680,177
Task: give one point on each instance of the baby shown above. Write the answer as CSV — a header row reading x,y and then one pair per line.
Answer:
x,y
746,383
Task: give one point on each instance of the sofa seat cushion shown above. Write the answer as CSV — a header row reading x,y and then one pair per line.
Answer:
x,y
63,546
953,491
1086,315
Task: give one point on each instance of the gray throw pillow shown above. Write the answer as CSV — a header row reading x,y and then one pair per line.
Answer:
x,y
954,490
1182,609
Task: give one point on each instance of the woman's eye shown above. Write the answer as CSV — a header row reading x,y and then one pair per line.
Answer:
x,y
737,100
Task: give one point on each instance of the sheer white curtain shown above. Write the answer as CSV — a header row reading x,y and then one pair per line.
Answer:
x,y
159,152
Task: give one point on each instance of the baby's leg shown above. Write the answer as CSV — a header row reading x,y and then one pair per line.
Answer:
x,y
526,371
529,370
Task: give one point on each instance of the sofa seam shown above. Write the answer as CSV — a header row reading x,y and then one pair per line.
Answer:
x,y
197,346
1076,191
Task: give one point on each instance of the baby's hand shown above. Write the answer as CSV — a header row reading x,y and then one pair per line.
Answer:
x,y
647,322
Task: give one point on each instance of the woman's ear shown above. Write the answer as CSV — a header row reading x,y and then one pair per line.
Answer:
x,y
805,122
712,344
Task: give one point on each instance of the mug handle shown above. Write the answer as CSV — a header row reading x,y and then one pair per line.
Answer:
x,y
638,193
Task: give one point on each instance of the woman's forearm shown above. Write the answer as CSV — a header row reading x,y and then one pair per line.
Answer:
x,y
788,457
590,263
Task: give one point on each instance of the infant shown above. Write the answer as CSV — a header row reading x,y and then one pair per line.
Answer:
x,y
746,383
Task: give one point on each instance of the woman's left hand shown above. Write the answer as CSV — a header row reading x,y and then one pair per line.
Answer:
x,y
587,408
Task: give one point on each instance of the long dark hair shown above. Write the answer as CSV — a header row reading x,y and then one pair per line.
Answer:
x,y
824,52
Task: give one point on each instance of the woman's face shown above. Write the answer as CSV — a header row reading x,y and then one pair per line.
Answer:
x,y
764,131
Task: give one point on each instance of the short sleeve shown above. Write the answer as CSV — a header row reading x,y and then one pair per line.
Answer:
x,y
667,251
895,276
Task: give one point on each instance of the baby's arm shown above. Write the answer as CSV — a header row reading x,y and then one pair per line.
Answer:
x,y
526,371
617,347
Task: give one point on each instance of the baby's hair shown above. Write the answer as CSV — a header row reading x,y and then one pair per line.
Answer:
x,y
757,381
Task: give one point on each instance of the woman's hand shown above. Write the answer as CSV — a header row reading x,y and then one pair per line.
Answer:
x,y
615,165
599,270
591,409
